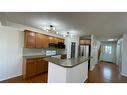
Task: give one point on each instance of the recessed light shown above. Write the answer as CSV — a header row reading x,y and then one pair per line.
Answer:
x,y
111,39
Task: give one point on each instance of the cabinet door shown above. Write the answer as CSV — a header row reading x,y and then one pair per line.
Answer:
x,y
81,42
56,40
30,67
41,41
61,40
40,66
46,66
29,39
85,42
52,40
45,41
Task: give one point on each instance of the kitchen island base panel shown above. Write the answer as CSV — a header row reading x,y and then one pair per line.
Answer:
x,y
59,74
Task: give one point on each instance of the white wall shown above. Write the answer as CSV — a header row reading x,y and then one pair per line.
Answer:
x,y
95,44
10,52
124,56
0,23
108,57
68,41
119,53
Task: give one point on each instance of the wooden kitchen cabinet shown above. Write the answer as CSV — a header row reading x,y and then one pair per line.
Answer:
x,y
42,41
46,66
55,40
85,42
29,68
52,40
35,66
40,66
29,39
38,40
60,40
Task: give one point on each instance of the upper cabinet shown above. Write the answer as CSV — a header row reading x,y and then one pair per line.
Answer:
x,y
42,41
37,40
52,39
61,40
55,40
85,41
29,39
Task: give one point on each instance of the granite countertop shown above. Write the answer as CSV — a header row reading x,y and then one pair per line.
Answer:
x,y
39,56
34,56
67,63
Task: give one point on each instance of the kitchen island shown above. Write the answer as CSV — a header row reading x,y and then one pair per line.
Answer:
x,y
74,70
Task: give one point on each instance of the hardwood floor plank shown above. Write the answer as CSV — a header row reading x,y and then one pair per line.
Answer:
x,y
42,78
106,73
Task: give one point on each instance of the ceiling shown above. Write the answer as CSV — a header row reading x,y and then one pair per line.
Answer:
x,y
103,25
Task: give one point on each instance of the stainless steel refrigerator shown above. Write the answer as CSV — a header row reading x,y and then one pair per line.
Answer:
x,y
84,50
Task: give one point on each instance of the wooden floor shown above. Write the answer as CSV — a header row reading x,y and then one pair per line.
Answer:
x,y
106,73
42,78
103,73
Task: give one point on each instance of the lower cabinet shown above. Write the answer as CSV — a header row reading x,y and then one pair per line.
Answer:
x,y
32,67
46,66
40,66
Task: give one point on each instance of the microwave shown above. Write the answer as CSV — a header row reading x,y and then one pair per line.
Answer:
x,y
52,45
61,45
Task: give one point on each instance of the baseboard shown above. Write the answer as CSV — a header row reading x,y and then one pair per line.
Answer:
x,y
91,69
107,62
123,75
10,77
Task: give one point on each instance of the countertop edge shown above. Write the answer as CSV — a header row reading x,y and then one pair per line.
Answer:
x,y
39,56
69,66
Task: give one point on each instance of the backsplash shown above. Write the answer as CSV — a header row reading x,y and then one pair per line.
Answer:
x,y
31,52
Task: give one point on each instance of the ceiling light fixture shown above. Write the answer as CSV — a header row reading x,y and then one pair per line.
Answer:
x,y
50,28
111,39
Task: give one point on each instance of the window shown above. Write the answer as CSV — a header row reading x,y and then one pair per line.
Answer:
x,y
108,49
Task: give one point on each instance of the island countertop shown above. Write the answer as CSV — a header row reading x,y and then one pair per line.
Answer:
x,y
67,63
39,56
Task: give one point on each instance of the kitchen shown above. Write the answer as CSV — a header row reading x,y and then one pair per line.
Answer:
x,y
30,51
46,45
37,46
55,47
55,50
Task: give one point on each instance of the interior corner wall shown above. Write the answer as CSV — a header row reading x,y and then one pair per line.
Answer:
x,y
124,56
119,54
94,52
10,53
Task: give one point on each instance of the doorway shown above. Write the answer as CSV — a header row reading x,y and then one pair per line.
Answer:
x,y
108,52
